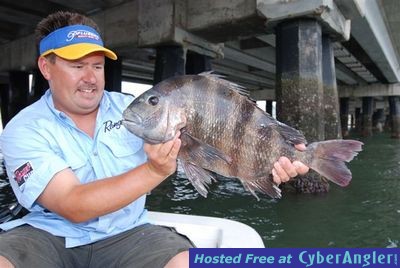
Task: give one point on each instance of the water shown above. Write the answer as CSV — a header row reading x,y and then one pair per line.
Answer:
x,y
364,214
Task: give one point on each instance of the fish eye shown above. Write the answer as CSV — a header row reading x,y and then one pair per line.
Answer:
x,y
153,100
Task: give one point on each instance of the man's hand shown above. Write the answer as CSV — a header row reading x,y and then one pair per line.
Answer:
x,y
284,169
162,157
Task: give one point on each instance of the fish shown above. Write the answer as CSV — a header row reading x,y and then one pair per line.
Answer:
x,y
224,132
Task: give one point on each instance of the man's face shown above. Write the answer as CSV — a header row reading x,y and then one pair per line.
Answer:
x,y
77,86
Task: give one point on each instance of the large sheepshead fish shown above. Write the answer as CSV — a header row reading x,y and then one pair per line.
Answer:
x,y
223,131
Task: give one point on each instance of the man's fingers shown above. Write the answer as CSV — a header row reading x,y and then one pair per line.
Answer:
x,y
300,147
147,147
275,177
165,148
175,148
300,167
280,173
284,170
287,166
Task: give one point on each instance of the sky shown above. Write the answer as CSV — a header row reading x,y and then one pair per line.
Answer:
x,y
134,88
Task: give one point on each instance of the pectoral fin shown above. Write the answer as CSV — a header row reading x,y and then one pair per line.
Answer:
x,y
199,177
195,156
199,152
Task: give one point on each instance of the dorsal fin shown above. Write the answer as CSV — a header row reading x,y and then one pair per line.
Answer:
x,y
220,79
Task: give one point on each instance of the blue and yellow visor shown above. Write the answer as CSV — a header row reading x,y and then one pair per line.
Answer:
x,y
74,42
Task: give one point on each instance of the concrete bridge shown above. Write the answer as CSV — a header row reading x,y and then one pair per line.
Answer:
x,y
322,61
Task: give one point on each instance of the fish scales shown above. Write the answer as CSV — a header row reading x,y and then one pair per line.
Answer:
x,y
224,132
229,118
209,119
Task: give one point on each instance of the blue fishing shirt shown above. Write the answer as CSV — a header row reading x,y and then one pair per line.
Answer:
x,y
41,141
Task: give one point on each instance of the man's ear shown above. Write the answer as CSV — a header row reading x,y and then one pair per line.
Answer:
x,y
43,65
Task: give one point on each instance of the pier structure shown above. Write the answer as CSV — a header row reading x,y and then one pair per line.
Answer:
x,y
330,67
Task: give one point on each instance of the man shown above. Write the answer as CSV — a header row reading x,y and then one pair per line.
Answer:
x,y
83,176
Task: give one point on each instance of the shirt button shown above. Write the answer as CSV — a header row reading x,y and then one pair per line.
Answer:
x,y
95,153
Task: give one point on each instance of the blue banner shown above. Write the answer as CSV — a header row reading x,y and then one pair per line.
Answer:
x,y
297,257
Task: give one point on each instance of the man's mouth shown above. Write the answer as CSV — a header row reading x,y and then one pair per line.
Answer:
x,y
86,90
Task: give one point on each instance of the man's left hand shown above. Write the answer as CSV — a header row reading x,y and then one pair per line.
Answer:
x,y
284,170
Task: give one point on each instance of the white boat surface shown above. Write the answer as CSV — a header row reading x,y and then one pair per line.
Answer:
x,y
204,231
210,232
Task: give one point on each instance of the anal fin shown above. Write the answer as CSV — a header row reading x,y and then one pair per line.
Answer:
x,y
263,185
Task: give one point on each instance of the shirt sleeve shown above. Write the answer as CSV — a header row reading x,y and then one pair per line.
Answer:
x,y
30,162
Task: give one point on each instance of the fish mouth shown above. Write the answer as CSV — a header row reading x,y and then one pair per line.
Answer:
x,y
133,125
132,119
151,140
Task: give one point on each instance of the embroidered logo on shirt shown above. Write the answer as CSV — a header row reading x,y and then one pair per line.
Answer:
x,y
109,125
23,173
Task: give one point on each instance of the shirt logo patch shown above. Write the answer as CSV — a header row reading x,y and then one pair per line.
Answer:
x,y
110,125
23,173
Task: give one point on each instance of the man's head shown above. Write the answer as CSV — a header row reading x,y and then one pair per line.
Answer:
x,y
70,36
72,60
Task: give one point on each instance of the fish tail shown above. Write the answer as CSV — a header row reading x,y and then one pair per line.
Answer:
x,y
329,159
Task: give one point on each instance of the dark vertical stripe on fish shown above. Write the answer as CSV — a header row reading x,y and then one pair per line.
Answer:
x,y
200,105
201,118
215,113
245,117
262,133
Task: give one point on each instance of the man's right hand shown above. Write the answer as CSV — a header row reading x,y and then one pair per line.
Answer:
x,y
162,157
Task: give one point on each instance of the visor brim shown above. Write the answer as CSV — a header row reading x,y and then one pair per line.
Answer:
x,y
77,51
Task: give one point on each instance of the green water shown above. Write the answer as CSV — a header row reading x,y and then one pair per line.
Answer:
x,y
364,214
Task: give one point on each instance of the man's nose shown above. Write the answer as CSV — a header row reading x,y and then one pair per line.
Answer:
x,y
89,76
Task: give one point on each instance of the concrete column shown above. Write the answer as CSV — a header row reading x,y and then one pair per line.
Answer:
x,y
170,62
331,97
197,63
352,121
367,110
358,121
299,87
39,85
388,123
19,92
344,115
268,106
113,75
394,108
378,120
